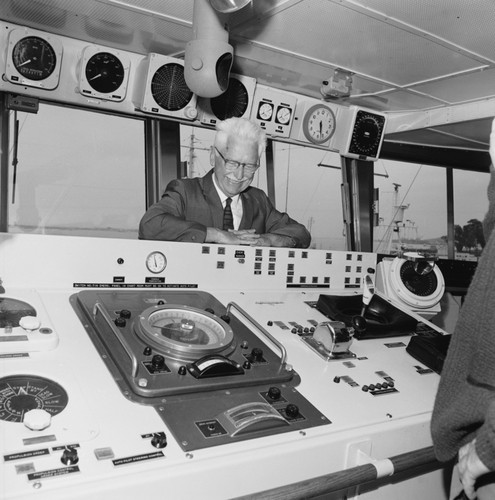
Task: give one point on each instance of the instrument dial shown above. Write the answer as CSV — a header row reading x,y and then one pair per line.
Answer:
x,y
367,134
265,111
34,58
156,262
283,115
319,124
22,393
105,72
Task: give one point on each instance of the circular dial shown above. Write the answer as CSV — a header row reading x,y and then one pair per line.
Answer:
x,y
319,124
184,332
156,262
105,72
34,58
283,115
22,393
367,134
13,310
265,111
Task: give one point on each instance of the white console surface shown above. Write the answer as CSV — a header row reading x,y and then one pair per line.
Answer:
x,y
112,433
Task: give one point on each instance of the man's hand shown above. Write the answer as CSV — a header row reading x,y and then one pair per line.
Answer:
x,y
248,237
470,468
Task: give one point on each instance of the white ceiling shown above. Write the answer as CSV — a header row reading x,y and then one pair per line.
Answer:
x,y
430,64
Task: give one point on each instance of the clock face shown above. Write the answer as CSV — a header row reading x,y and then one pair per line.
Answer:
x,y
34,58
105,72
319,124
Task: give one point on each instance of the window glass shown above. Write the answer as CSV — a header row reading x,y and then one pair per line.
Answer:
x,y
76,173
412,207
307,183
308,187
470,207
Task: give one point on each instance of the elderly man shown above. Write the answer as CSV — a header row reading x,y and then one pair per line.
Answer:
x,y
222,207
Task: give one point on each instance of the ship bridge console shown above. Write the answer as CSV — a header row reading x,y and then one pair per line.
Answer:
x,y
193,370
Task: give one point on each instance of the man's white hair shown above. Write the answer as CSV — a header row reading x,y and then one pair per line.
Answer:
x,y
241,128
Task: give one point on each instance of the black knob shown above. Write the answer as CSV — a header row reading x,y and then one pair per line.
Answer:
x,y
147,351
246,365
226,318
182,370
210,310
120,322
69,456
274,393
159,440
256,354
157,361
125,313
291,410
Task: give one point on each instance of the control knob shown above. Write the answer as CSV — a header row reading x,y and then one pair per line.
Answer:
x,y
69,456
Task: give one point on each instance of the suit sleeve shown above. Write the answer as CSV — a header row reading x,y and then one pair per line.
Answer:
x,y
166,219
281,223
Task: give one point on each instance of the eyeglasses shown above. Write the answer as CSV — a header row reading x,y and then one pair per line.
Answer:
x,y
234,165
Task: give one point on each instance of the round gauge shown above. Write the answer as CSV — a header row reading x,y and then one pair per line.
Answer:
x,y
265,111
156,262
319,124
13,310
283,115
184,332
367,134
22,393
105,72
34,58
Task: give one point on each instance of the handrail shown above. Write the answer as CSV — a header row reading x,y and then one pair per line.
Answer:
x,y
349,478
283,352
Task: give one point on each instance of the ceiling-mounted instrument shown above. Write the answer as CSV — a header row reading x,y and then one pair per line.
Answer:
x,y
236,101
165,89
33,59
104,73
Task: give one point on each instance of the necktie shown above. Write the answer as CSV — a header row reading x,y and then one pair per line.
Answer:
x,y
228,219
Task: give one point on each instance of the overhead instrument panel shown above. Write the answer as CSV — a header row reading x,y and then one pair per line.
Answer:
x,y
165,91
33,59
236,101
104,73
363,138
273,110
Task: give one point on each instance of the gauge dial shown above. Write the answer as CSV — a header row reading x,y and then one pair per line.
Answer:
x,y
22,393
105,72
34,58
156,262
265,111
367,134
319,124
283,115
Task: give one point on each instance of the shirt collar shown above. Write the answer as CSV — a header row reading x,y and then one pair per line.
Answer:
x,y
222,195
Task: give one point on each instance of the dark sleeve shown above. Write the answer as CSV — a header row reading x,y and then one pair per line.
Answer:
x,y
465,402
166,219
281,223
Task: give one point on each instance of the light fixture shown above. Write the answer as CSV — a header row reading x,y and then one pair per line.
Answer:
x,y
228,6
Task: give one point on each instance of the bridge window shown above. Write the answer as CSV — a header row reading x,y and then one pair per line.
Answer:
x,y
76,172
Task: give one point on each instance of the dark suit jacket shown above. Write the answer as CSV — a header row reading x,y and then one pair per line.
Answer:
x,y
189,206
